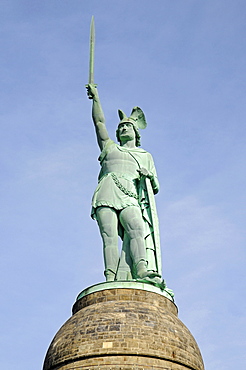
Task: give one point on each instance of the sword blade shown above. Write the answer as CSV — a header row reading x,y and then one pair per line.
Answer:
x,y
92,51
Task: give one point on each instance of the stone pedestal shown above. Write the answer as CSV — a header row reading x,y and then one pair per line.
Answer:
x,y
123,328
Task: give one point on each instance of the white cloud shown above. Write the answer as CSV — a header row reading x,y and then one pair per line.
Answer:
x,y
197,227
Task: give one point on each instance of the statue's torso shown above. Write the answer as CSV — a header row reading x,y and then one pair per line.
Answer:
x,y
120,161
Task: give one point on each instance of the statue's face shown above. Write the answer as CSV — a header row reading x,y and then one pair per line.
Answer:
x,y
126,131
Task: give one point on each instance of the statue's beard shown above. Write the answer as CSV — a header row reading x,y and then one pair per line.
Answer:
x,y
126,137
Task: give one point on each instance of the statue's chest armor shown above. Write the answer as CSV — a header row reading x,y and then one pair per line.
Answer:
x,y
120,161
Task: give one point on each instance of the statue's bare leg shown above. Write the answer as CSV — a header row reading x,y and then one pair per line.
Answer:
x,y
132,222
125,267
108,224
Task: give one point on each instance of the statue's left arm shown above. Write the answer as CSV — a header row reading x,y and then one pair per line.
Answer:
x,y
150,172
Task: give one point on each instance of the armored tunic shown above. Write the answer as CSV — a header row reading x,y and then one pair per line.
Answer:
x,y
119,179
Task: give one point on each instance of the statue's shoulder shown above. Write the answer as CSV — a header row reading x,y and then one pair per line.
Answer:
x,y
140,150
110,144
146,156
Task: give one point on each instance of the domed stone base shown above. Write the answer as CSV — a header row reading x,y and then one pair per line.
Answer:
x,y
123,328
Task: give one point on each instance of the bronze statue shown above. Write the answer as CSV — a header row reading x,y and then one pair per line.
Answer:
x,y
123,203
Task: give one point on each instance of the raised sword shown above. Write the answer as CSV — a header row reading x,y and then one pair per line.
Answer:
x,y
92,53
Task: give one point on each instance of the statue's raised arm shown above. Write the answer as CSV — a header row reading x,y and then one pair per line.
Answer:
x,y
98,116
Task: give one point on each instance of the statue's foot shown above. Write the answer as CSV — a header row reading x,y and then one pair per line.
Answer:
x,y
153,279
144,274
142,269
110,275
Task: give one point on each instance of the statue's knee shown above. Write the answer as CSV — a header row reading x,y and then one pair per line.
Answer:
x,y
107,230
136,233
109,241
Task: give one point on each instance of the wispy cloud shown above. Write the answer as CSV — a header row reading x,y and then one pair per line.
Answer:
x,y
197,227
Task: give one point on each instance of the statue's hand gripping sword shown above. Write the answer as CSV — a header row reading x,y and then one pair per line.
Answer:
x,y
91,62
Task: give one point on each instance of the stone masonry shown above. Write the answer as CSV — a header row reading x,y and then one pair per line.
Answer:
x,y
123,329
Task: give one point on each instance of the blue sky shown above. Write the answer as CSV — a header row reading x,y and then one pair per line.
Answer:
x,y
183,63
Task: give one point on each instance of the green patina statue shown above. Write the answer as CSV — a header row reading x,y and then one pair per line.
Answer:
x,y
123,203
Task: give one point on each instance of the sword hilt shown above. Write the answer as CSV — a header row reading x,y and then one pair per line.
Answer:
x,y
88,93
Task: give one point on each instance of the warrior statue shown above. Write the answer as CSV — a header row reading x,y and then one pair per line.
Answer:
x,y
123,202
